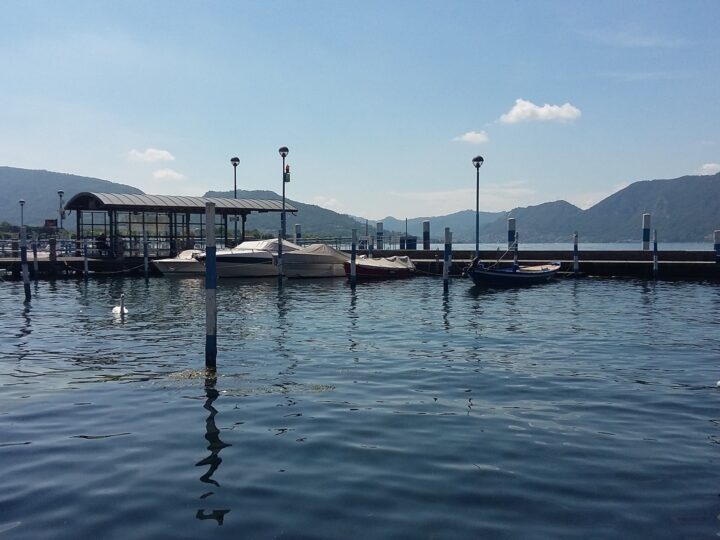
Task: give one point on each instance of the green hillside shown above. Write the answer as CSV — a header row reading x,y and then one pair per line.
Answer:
x,y
39,189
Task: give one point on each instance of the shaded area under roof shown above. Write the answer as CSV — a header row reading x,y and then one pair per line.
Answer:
x,y
171,203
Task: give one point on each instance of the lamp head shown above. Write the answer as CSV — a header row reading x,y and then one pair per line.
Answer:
x,y
235,161
61,193
284,151
22,202
478,161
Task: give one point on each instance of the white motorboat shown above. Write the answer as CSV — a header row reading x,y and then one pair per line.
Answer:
x,y
254,258
185,263
314,261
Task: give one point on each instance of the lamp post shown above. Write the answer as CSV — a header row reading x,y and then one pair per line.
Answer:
x,y
477,162
22,214
286,178
235,161
61,211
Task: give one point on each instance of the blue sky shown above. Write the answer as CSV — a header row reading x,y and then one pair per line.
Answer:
x,y
382,104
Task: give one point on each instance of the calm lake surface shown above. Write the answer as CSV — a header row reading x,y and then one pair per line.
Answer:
x,y
577,409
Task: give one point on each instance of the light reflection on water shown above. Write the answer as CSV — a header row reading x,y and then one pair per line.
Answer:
x,y
392,410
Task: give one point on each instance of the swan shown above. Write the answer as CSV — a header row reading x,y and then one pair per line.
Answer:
x,y
121,309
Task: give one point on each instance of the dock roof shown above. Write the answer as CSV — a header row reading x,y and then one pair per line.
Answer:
x,y
171,203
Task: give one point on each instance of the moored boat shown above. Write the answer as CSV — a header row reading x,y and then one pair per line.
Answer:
x,y
184,264
254,258
382,268
510,276
314,261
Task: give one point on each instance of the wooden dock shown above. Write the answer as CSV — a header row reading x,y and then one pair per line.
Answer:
x,y
680,265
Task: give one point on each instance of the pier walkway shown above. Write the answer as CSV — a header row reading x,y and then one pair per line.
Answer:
x,y
690,265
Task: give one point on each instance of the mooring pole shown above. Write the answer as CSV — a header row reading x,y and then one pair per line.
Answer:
x,y
353,257
426,234
280,259
210,288
85,259
35,259
511,231
515,252
646,232
716,240
298,233
380,235
24,263
576,258
145,254
447,260
655,254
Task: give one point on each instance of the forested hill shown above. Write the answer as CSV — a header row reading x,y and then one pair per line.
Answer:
x,y
685,209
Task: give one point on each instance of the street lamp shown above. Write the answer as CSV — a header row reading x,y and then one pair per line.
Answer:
x,y
286,178
22,215
477,161
61,210
235,161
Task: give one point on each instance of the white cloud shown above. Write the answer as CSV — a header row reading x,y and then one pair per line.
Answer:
x,y
168,174
150,154
473,137
709,168
527,111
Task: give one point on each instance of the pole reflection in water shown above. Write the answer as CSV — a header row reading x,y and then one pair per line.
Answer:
x,y
446,310
215,445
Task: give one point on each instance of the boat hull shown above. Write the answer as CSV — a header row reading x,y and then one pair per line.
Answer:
x,y
513,276
179,268
259,265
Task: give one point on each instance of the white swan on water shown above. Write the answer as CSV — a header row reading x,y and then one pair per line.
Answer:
x,y
121,309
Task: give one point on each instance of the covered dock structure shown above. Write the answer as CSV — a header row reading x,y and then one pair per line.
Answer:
x,y
117,224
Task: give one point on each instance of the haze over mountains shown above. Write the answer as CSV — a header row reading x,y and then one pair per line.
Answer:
x,y
685,209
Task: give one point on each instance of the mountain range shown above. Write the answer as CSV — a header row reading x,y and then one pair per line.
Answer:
x,y
685,209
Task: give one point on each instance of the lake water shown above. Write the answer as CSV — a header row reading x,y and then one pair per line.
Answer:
x,y
576,409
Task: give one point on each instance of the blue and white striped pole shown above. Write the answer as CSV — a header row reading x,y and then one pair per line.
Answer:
x,y
576,258
353,257
24,263
511,232
298,233
447,259
655,254
716,240
515,250
380,235
210,288
646,232
85,259
426,234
